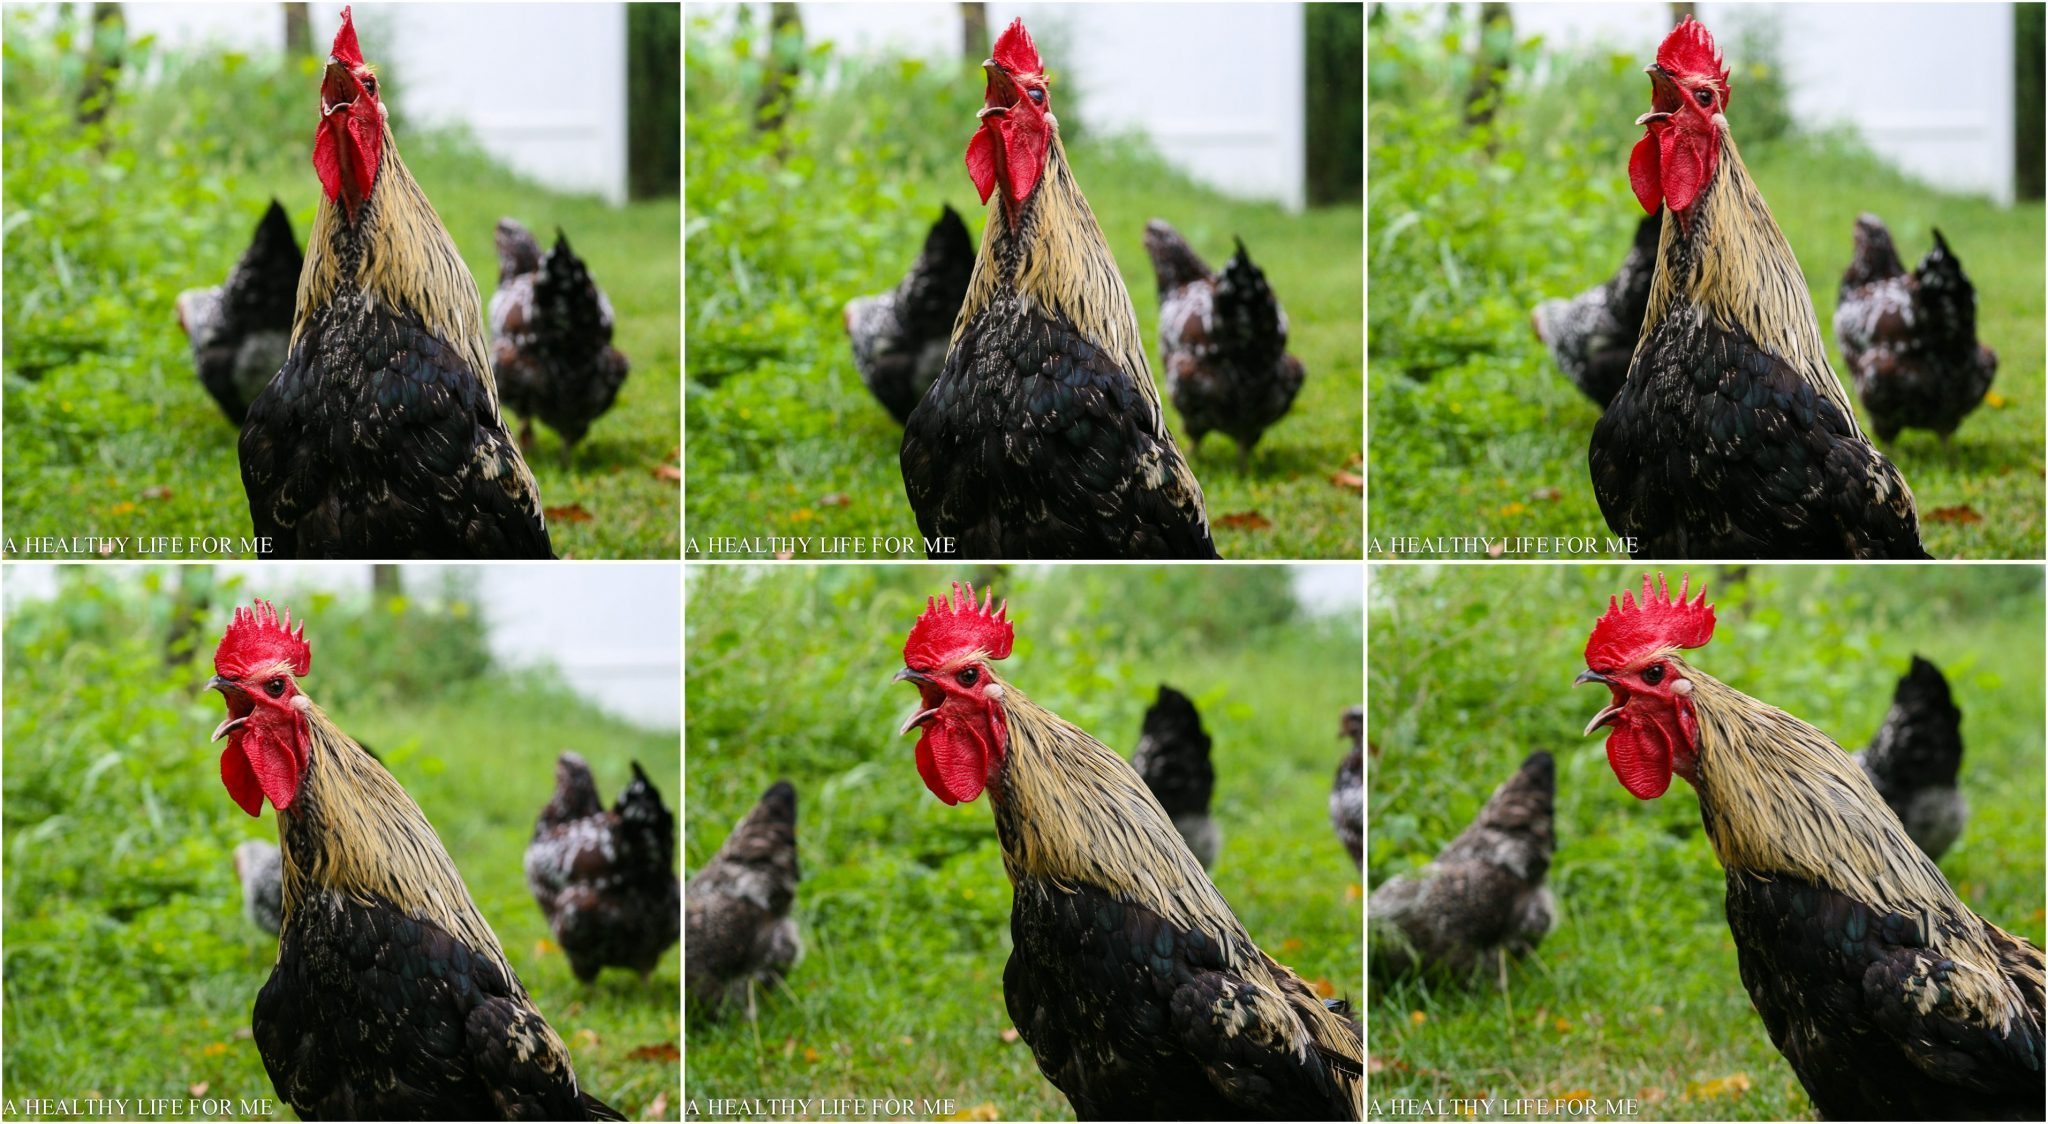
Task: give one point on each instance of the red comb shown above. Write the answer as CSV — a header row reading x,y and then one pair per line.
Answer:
x,y
346,50
957,625
1630,630
257,638
1015,51
1690,49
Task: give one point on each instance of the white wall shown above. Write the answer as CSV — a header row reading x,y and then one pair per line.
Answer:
x,y
543,86
1929,86
1220,88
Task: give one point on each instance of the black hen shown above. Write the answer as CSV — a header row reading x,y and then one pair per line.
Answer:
x,y
736,909
1593,335
1910,340
1347,792
1914,757
1222,342
1481,901
900,337
551,337
606,881
1173,759
241,328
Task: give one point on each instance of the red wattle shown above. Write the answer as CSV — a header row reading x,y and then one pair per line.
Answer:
x,y
958,762
240,779
1685,169
929,770
1643,176
1640,763
981,163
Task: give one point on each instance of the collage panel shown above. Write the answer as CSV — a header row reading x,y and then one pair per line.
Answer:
x,y
1794,931
1651,285
338,840
296,281
1171,762
964,285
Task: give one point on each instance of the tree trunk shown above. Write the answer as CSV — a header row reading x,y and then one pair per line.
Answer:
x,y
785,57
384,580
298,31
974,40
1490,56
102,65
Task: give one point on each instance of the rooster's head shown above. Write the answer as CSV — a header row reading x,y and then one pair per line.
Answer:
x,y
1016,122
959,698
1634,651
348,148
1681,145
256,669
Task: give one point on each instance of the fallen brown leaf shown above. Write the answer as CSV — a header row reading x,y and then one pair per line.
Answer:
x,y
1323,987
659,1052
1960,513
1546,495
1244,521
214,1049
1348,480
836,499
157,492
668,472
568,513
1733,1085
588,1037
1291,944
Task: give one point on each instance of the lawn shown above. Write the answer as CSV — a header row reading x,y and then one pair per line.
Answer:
x,y
1475,432
1636,993
904,907
783,229
109,431
130,970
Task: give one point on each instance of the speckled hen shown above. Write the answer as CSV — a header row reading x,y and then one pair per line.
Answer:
x,y
740,938
606,880
1913,759
240,328
551,338
1910,339
900,337
1592,336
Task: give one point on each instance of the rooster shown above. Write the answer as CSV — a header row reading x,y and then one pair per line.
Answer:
x,y
1910,339
1347,790
1172,759
240,327
1888,996
1912,761
606,880
551,337
391,998
380,436
1222,342
1138,990
1593,335
900,337
1732,437
1043,436
1481,901
738,931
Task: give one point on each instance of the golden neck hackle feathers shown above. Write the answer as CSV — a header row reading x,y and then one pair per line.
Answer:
x,y
1057,256
1779,797
398,253
355,831
1734,264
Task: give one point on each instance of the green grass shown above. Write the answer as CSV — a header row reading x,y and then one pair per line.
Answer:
x,y
784,438
130,969
1475,432
904,906
109,431
1636,993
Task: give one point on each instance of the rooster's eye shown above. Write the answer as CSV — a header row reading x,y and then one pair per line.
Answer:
x,y
969,677
1704,96
1654,674
1037,97
370,85
274,688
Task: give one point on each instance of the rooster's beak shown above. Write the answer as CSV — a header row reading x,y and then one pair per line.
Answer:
x,y
338,90
1663,92
999,85
226,687
1607,712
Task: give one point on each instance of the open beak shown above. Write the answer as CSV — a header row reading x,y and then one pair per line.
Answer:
x,y
1000,88
1607,712
922,680
338,91
1665,97
230,689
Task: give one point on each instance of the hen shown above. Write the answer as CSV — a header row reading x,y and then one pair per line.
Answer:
x,y
606,881
736,907
1910,339
391,998
1347,792
551,338
1889,998
380,436
240,328
259,867
1137,988
900,337
1173,760
1731,437
1912,762
1481,901
1222,342
1593,335
1043,436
